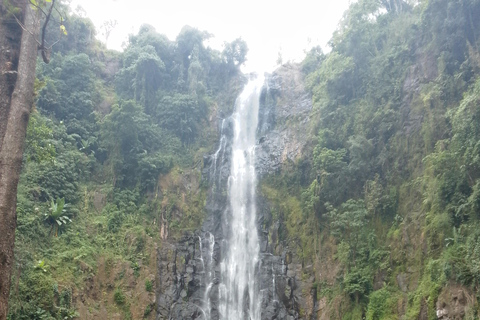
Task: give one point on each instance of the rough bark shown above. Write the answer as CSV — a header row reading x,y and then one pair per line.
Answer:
x,y
14,123
10,36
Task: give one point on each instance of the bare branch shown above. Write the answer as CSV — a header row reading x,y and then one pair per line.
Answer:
x,y
49,48
51,17
41,45
38,7
45,56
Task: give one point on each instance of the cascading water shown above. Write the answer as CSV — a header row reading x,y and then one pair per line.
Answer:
x,y
238,290
236,273
210,239
242,279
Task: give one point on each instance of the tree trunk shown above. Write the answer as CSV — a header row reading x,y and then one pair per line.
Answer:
x,y
10,36
16,100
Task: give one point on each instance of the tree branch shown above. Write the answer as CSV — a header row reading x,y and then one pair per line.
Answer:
x,y
45,56
38,7
41,45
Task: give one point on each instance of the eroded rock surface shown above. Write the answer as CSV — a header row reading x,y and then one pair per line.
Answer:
x,y
179,280
452,303
284,116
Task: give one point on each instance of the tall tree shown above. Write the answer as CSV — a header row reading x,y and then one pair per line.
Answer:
x,y
19,28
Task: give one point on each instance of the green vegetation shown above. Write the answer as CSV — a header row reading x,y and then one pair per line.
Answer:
x,y
119,297
57,216
110,140
389,192
383,204
148,285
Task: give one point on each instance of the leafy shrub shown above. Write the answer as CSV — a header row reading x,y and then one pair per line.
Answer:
x,y
148,310
382,304
148,285
119,297
115,217
358,283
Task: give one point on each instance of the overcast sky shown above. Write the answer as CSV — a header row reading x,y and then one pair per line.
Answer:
x,y
268,27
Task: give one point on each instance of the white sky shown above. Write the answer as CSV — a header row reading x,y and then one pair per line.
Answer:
x,y
268,26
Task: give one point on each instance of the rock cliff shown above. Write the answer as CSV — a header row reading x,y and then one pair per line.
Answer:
x,y
188,270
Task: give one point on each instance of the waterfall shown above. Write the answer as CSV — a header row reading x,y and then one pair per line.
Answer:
x,y
239,298
241,270
236,273
210,239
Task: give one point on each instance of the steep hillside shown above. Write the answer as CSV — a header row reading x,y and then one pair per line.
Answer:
x,y
112,167
368,161
380,212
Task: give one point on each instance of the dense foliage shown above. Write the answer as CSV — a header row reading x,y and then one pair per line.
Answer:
x,y
109,128
394,178
384,202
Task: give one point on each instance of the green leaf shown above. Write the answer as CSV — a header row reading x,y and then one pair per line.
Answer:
x,y
63,29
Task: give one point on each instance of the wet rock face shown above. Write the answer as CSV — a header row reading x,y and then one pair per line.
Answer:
x,y
179,280
188,273
283,119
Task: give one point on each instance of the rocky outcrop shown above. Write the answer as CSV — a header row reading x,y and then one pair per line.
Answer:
x,y
423,71
179,280
284,116
452,303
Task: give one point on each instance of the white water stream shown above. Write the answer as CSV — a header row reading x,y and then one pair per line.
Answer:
x,y
239,298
